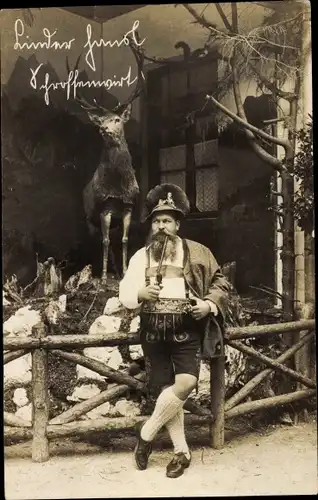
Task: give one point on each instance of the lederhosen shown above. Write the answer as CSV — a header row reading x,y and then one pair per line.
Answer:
x,y
169,335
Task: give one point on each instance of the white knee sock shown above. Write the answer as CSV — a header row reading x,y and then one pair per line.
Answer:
x,y
175,427
168,404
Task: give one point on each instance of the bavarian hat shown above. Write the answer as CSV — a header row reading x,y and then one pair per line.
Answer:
x,y
166,197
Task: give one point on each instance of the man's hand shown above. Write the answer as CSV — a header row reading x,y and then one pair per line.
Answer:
x,y
149,292
201,309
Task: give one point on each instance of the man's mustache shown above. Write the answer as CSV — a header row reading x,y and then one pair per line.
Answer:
x,y
160,235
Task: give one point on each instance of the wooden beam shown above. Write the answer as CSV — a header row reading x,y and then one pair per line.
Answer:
x,y
263,404
101,368
11,356
11,419
119,338
272,363
72,341
81,428
266,330
40,401
90,404
217,388
255,381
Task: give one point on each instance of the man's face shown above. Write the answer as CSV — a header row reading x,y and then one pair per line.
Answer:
x,y
163,224
164,221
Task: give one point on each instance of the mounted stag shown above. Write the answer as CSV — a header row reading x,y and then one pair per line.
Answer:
x,y
113,189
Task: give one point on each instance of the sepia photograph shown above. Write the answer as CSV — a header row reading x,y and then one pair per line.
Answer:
x,y
158,251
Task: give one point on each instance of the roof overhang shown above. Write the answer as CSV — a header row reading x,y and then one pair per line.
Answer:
x,y
102,13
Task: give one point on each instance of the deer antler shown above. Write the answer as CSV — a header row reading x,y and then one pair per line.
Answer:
x,y
139,56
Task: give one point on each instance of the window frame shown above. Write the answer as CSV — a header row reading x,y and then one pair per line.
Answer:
x,y
154,81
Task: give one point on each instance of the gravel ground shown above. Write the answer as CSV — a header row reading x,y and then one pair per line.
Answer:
x,y
280,460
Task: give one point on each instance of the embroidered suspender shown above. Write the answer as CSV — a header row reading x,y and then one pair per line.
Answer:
x,y
164,313
147,275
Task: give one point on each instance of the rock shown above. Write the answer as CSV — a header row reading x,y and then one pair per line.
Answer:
x,y
19,370
55,309
135,324
101,411
85,275
84,373
126,408
102,354
235,369
204,383
115,360
99,353
105,324
84,392
113,306
135,352
22,322
78,279
20,397
62,302
25,412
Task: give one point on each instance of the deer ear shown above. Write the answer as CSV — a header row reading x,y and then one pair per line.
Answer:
x,y
94,118
126,114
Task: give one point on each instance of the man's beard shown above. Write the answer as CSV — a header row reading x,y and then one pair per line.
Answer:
x,y
156,242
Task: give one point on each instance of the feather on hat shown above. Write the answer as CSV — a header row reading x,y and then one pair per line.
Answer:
x,y
166,197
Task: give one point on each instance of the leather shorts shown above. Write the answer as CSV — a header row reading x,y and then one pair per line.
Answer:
x,y
176,352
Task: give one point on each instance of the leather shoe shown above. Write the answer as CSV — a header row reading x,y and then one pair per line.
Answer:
x,y
178,464
142,452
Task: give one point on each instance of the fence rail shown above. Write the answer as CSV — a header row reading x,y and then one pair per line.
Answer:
x,y
42,429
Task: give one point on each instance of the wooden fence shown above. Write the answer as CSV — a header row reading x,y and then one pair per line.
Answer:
x,y
66,424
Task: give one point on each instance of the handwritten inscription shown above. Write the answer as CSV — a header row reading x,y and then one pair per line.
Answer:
x,y
47,44
90,44
72,83
23,42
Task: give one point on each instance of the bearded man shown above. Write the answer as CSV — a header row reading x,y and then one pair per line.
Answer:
x,y
182,297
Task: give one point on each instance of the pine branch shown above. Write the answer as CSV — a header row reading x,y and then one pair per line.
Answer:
x,y
271,86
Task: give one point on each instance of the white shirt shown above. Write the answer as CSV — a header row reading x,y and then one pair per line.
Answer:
x,y
134,279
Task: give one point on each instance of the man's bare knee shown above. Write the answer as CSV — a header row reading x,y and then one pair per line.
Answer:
x,y
184,385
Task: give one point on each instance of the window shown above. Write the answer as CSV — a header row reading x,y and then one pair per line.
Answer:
x,y
184,152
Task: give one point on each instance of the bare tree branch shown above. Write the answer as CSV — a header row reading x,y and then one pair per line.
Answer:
x,y
274,162
248,126
234,17
205,23
274,120
223,17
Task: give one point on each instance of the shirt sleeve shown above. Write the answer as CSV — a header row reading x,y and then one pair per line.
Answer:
x,y
133,280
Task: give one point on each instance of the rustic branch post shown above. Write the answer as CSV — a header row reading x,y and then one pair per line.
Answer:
x,y
217,394
255,381
40,404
